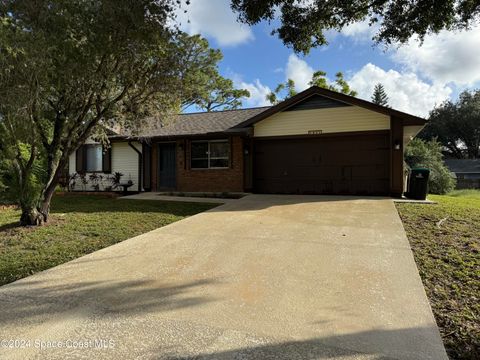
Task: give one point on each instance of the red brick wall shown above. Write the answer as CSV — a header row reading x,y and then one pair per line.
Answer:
x,y
217,180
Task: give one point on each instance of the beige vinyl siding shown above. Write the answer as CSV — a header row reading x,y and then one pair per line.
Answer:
x,y
409,132
330,120
124,160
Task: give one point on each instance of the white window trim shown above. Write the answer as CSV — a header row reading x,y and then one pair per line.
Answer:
x,y
208,158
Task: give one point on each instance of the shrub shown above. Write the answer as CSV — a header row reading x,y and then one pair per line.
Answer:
x,y
11,191
428,154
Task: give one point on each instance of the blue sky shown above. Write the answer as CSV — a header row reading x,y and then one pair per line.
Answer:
x,y
416,78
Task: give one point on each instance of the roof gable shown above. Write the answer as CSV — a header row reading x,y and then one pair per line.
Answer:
x,y
316,102
334,97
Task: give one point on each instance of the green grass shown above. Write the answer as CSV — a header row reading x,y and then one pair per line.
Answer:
x,y
445,238
79,225
467,194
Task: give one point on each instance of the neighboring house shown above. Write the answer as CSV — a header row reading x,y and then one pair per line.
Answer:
x,y
466,171
317,142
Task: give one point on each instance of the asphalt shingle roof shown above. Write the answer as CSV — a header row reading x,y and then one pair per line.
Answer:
x,y
201,123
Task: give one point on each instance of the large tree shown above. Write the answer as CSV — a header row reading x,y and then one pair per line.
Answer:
x,y
303,23
319,78
69,68
456,125
221,94
379,95
204,87
282,91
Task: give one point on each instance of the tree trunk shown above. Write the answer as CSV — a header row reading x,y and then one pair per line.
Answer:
x,y
38,215
32,217
47,198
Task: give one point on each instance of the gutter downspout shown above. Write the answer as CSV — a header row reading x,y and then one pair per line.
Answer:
x,y
140,160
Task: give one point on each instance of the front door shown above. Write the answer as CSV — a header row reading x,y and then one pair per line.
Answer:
x,y
166,166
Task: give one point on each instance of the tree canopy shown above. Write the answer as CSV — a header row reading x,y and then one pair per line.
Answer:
x,y
379,95
220,94
456,125
203,86
303,23
319,78
71,68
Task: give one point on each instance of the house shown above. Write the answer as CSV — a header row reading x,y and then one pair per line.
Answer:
x,y
316,142
466,171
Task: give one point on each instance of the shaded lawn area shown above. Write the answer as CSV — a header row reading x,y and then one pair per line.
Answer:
x,y
80,224
445,239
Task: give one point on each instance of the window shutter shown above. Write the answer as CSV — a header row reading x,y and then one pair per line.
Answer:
x,y
230,155
80,160
147,167
107,160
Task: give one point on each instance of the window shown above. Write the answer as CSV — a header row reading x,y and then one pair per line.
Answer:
x,y
212,154
93,158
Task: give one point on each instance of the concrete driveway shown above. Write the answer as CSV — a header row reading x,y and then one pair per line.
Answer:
x,y
265,277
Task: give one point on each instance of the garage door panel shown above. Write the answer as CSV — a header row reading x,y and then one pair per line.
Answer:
x,y
323,165
370,172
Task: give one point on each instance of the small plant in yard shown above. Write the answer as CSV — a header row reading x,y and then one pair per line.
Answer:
x,y
116,179
83,180
72,181
96,181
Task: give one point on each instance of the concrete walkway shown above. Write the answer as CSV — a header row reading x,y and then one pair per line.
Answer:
x,y
264,277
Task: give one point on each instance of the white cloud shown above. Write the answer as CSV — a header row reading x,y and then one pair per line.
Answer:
x,y
406,91
299,71
258,93
360,31
449,57
213,18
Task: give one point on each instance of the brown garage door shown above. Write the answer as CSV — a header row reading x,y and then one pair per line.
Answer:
x,y
356,164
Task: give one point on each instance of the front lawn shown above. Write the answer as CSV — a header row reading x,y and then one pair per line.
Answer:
x,y
79,225
445,239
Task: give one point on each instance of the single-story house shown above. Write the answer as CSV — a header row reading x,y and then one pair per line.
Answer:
x,y
466,171
316,142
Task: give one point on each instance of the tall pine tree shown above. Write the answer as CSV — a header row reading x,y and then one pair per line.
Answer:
x,y
379,96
